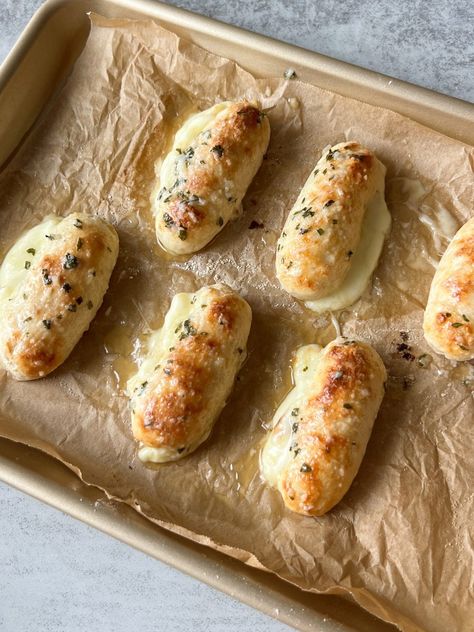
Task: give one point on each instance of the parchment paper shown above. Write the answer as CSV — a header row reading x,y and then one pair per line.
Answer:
x,y
401,541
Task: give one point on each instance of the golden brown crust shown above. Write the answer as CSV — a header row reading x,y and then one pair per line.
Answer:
x,y
449,316
210,178
323,229
58,297
177,395
332,426
186,390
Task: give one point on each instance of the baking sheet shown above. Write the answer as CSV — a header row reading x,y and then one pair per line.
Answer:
x,y
117,187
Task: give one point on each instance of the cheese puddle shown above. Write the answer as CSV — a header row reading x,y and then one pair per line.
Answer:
x,y
277,453
375,227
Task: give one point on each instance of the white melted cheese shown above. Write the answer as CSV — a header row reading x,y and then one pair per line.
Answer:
x,y
375,227
160,341
276,453
158,347
185,136
13,271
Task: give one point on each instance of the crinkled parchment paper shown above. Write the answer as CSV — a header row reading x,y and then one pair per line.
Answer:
x,y
401,541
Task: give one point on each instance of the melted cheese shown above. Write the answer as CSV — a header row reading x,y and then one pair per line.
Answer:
x,y
13,271
158,347
276,453
375,227
161,340
173,165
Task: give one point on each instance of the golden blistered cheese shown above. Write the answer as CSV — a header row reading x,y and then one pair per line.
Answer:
x,y
321,430
52,282
334,234
449,316
203,179
188,373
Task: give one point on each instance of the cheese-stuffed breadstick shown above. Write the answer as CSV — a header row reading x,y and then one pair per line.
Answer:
x,y
214,157
449,316
52,283
320,431
333,236
188,373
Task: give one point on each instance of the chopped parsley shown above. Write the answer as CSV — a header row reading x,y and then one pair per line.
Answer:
x,y
183,234
347,405
329,203
72,307
80,243
168,220
49,236
294,412
67,288
70,261
47,323
47,280
305,468
77,223
27,265
90,304
456,325
320,231
188,330
220,221
218,150
31,251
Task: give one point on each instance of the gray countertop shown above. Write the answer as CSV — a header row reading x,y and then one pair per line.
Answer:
x,y
59,574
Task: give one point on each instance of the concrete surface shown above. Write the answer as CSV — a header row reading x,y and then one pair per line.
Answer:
x,y
58,574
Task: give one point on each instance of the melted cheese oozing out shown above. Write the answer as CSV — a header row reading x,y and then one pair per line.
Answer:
x,y
184,138
13,271
375,227
158,347
276,453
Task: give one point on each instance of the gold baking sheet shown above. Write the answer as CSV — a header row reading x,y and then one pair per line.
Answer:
x,y
207,44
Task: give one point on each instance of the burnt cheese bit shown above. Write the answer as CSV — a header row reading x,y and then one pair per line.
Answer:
x,y
67,288
254,224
